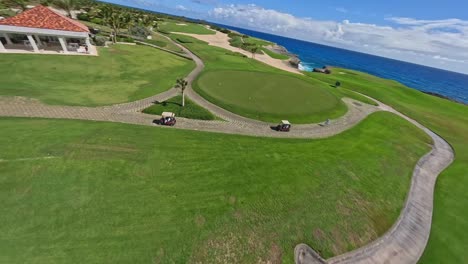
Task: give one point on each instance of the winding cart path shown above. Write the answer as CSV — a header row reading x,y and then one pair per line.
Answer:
x,y
403,243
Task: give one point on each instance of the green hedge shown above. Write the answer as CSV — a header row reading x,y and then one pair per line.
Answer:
x,y
190,110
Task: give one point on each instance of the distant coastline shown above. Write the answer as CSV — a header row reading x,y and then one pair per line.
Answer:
x,y
438,82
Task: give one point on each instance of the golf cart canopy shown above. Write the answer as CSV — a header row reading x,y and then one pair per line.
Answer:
x,y
285,122
167,114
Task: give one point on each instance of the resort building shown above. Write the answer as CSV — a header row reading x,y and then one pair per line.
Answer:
x,y
41,30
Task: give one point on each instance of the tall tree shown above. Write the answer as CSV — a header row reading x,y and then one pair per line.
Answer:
x,y
114,18
254,51
182,85
67,5
20,4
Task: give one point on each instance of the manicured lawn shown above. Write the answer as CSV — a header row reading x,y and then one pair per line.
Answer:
x,y
88,192
275,55
184,27
162,42
448,240
218,61
119,74
190,110
269,97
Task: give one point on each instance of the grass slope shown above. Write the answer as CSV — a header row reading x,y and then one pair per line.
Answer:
x,y
190,110
275,55
115,193
447,243
119,74
269,97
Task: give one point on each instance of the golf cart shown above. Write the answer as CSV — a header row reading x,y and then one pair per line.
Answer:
x,y
284,126
167,119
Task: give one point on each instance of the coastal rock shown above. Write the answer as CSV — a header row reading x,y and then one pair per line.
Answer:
x,y
324,69
293,58
295,61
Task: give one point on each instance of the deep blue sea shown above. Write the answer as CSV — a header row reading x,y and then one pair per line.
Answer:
x,y
446,83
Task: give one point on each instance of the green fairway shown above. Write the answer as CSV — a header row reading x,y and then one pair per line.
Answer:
x,y
447,244
119,74
219,61
190,110
185,27
269,97
86,192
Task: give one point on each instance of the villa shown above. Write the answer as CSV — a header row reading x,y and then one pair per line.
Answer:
x,y
41,30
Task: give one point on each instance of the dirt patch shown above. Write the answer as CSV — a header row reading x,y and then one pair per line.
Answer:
x,y
159,256
339,244
238,215
343,210
275,255
232,200
200,220
318,234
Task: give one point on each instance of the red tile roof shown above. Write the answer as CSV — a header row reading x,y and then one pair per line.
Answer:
x,y
42,17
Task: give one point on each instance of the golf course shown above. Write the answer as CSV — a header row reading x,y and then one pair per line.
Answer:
x,y
88,174
123,193
121,73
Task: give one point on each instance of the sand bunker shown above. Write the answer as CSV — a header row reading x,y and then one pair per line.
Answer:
x,y
222,40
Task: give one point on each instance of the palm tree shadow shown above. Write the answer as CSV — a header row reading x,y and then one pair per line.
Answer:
x,y
165,103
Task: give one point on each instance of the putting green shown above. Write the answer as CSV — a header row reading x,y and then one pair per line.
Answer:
x,y
269,96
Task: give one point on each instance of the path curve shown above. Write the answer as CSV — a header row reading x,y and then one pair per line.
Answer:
x,y
403,243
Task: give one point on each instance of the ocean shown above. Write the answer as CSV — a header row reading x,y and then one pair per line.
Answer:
x,y
449,84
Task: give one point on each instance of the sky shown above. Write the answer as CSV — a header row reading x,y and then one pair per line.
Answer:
x,y
427,32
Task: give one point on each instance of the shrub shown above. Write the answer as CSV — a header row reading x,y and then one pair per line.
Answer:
x,y
232,35
100,40
184,40
225,31
83,17
139,32
164,32
125,39
96,20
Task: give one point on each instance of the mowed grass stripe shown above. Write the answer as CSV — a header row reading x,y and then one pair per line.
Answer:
x,y
119,74
269,97
120,193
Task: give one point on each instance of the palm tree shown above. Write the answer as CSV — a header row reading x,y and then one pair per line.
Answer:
x,y
67,5
182,85
21,4
254,51
114,19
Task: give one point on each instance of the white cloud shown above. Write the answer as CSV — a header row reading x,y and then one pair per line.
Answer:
x,y
436,43
341,10
181,8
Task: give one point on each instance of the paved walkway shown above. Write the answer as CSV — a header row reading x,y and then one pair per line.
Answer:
x,y
403,243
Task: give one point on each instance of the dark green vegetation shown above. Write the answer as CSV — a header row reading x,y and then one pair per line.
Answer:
x,y
447,243
254,45
185,27
218,60
190,110
119,74
269,97
86,192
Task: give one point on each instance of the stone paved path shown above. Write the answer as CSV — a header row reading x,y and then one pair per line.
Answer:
x,y
406,240
403,243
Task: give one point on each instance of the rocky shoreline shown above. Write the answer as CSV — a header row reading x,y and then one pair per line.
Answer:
x,y
293,58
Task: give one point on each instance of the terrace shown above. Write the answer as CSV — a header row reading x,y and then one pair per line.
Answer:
x,y
41,30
